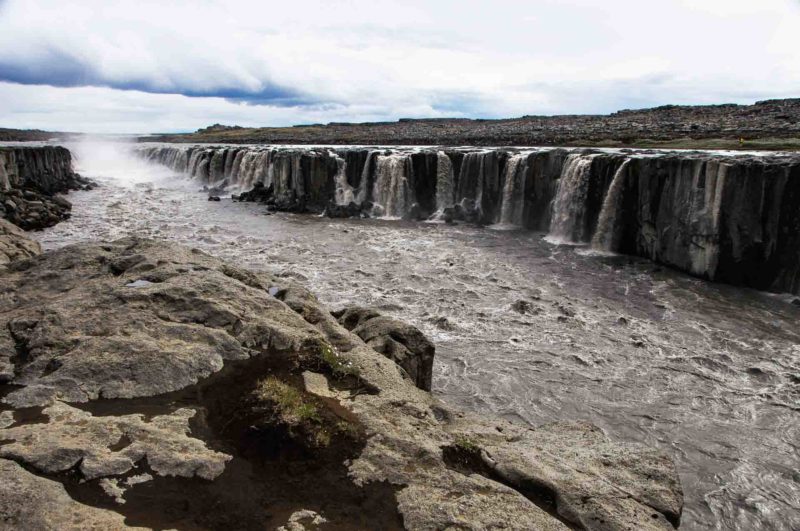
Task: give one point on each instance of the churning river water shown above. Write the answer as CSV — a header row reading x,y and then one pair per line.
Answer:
x,y
525,329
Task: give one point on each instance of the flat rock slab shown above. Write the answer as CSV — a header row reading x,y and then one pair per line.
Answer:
x,y
111,445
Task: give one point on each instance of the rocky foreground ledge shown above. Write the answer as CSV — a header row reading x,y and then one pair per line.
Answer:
x,y
146,385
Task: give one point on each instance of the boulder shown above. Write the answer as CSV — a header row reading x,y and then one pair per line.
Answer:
x,y
15,244
259,193
350,210
404,344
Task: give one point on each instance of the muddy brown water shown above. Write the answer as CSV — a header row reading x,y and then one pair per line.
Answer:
x,y
708,373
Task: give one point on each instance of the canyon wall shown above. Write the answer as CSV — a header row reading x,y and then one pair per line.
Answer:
x,y
733,219
30,179
46,168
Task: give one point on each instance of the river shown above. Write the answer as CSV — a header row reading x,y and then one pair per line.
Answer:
x,y
524,328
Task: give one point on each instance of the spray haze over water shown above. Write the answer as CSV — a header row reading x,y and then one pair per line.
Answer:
x,y
705,372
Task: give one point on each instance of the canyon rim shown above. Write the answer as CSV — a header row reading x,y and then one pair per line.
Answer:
x,y
374,266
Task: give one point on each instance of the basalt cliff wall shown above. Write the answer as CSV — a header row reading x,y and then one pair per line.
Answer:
x,y
726,218
30,179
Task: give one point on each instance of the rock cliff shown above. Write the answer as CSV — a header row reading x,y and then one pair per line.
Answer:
x,y
725,218
146,385
31,179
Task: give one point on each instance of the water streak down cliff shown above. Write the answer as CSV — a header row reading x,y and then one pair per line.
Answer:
x,y
732,219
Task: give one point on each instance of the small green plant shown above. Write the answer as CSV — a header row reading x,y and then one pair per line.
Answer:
x,y
339,367
322,438
290,405
304,415
466,444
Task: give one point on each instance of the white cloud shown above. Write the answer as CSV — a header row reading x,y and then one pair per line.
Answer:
x,y
356,60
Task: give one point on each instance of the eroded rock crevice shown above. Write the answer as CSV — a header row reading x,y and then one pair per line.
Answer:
x,y
275,468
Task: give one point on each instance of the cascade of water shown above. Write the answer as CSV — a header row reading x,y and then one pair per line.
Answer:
x,y
344,192
248,171
569,205
391,193
236,167
194,160
266,166
363,185
201,172
216,166
298,182
181,161
480,182
445,183
269,179
512,207
260,169
471,180
282,173
606,237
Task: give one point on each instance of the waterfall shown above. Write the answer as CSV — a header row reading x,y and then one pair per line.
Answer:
x,y
194,161
569,206
363,185
248,174
445,183
261,172
236,167
281,173
344,192
269,179
606,237
513,205
181,161
391,193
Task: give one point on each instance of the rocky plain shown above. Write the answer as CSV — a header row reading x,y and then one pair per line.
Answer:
x,y
770,124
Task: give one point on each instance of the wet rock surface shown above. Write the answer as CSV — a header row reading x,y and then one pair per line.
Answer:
x,y
160,376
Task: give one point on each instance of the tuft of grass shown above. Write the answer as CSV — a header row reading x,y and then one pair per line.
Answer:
x,y
466,444
303,414
290,404
339,367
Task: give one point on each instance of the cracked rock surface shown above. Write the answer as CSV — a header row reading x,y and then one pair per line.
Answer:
x,y
127,366
74,438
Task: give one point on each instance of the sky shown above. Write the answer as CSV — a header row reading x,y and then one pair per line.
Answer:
x,y
168,66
